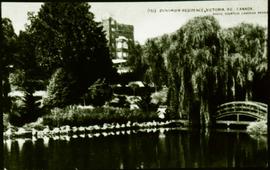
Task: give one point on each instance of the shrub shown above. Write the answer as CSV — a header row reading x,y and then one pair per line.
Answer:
x,y
36,125
98,93
59,89
257,128
25,110
75,116
159,97
145,103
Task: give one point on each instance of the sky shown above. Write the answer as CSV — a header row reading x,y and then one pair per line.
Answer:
x,y
151,19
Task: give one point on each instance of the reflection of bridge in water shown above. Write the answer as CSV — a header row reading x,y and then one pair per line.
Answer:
x,y
241,112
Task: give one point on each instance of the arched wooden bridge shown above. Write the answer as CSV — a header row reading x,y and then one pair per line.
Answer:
x,y
241,112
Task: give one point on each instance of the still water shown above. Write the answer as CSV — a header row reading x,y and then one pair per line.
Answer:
x,y
172,148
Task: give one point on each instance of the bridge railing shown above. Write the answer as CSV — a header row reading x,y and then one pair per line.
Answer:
x,y
261,104
242,107
254,108
244,110
244,102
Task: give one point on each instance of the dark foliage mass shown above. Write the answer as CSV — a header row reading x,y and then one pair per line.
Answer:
x,y
25,110
206,65
68,38
62,48
7,50
98,93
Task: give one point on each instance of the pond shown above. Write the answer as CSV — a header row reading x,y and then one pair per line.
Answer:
x,y
143,149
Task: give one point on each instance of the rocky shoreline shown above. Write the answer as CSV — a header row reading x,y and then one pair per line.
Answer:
x,y
92,130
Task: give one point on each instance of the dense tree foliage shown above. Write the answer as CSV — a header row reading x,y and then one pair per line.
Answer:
x,y
62,45
25,110
67,37
135,60
206,65
98,93
8,53
21,70
59,90
154,61
27,73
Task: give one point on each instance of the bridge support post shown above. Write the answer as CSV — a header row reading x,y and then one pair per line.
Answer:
x,y
237,118
228,126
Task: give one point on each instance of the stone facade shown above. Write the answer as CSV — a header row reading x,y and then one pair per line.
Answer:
x,y
118,36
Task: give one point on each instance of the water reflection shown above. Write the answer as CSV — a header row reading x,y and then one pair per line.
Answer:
x,y
159,148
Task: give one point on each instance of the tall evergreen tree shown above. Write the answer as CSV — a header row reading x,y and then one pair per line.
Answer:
x,y
67,37
8,53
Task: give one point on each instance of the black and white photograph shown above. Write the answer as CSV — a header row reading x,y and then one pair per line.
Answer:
x,y
134,85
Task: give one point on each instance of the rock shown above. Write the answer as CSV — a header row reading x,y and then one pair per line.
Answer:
x,y
8,133
89,128
81,129
46,130
117,126
65,129
128,124
74,129
56,130
21,131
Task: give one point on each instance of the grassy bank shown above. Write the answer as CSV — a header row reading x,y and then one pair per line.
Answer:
x,y
76,116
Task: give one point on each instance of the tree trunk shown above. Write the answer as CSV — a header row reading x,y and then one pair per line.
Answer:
x,y
204,114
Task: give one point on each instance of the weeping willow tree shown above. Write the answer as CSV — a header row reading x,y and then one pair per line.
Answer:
x,y
153,59
192,63
207,66
249,60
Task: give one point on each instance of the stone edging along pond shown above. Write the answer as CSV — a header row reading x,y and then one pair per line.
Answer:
x,y
22,132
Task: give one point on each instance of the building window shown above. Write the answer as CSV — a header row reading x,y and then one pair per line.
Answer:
x,y
125,46
124,54
119,55
119,45
122,44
